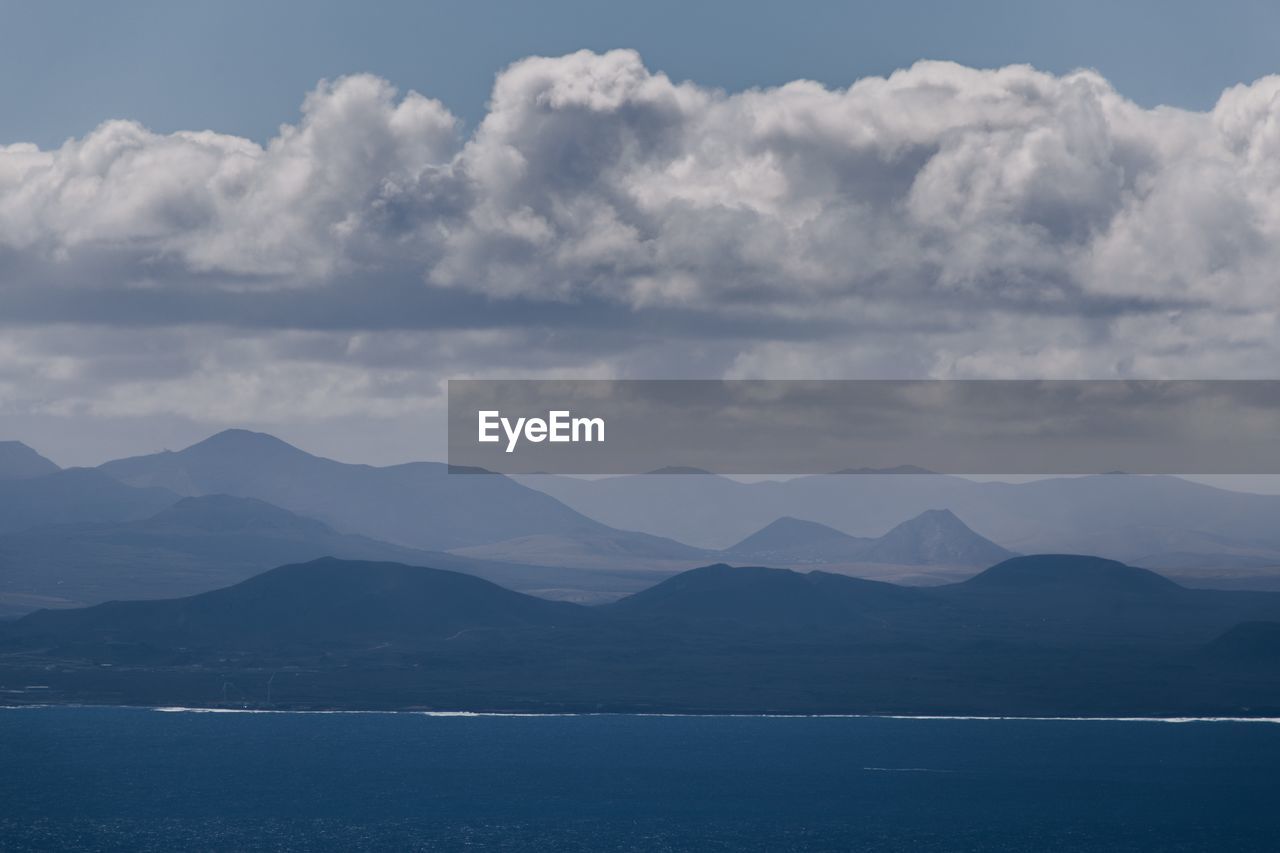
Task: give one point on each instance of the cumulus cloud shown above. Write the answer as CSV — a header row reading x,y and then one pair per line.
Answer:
x,y
942,221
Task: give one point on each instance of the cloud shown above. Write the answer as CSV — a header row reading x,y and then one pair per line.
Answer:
x,y
942,221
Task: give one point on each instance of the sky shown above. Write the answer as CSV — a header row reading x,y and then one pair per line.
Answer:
x,y
304,218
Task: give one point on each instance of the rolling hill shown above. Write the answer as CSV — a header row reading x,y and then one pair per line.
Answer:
x,y
1039,635
321,604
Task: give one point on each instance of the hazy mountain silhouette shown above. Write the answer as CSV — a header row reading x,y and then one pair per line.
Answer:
x,y
1055,635
19,462
935,537
75,495
1123,517
418,504
794,540
203,543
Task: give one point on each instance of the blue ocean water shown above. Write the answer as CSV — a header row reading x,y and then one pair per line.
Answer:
x,y
136,779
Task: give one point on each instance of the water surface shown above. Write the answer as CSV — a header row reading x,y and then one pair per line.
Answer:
x,y
137,779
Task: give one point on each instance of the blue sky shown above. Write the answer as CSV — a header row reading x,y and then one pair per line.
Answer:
x,y
239,66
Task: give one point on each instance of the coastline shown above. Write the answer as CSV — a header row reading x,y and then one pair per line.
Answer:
x,y
182,709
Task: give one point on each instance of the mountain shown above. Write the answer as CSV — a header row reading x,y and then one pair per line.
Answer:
x,y
1123,517
202,543
1077,600
314,605
792,540
1050,576
73,496
935,537
420,504
1044,635
763,599
19,462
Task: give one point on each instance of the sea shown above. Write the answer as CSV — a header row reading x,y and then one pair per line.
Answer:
x,y
134,779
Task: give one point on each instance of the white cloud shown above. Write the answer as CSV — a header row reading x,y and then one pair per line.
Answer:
x,y
940,221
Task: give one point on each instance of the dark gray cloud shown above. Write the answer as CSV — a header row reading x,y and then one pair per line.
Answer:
x,y
603,220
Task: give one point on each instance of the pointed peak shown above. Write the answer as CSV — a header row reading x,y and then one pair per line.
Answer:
x,y
788,532
943,515
790,521
936,537
933,518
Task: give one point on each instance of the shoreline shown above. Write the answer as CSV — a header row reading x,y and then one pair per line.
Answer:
x,y
182,709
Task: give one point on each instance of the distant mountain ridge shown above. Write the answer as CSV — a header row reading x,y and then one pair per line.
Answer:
x,y
418,504
1170,521
935,537
202,543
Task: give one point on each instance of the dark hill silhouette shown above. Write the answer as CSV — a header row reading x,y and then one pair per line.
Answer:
x,y
19,462
1064,598
760,598
1054,574
318,604
1055,635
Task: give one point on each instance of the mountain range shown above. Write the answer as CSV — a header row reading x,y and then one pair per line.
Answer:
x,y
1038,635
124,530
418,505
198,544
238,503
935,537
1199,533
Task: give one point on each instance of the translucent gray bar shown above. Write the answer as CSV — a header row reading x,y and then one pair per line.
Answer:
x,y
855,426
